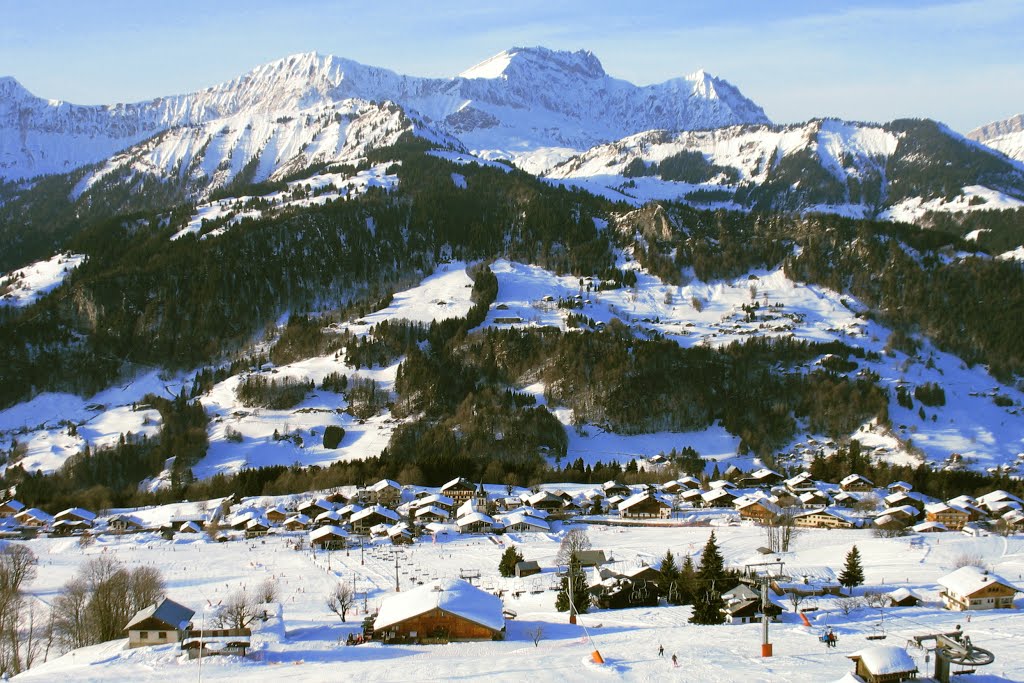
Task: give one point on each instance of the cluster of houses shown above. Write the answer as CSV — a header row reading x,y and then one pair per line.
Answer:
x,y
387,509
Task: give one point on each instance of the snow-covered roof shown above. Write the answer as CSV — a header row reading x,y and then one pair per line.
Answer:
x,y
384,484
901,510
81,513
165,610
466,508
35,513
431,510
852,478
998,495
763,473
190,528
329,515
398,529
969,580
715,494
640,497
474,517
435,499
379,509
944,507
452,595
901,594
327,531
460,482
929,526
518,518
885,659
297,519
13,504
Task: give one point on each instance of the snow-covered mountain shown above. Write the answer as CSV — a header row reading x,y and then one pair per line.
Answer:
x,y
1007,136
529,104
898,170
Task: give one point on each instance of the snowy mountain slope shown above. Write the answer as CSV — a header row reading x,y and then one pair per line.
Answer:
x,y
1006,136
898,170
987,433
27,285
253,147
519,103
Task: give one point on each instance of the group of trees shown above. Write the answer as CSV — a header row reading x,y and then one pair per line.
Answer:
x,y
94,606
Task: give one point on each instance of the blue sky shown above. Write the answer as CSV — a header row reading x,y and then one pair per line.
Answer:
x,y
959,62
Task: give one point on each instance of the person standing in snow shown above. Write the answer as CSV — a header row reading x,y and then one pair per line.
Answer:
x,y
661,650
675,662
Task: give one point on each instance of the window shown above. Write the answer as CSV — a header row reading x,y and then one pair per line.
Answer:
x,y
162,635
144,635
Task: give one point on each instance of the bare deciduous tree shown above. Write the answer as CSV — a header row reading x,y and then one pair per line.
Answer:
x,y
95,605
796,599
267,591
17,567
536,634
341,600
237,611
573,542
780,531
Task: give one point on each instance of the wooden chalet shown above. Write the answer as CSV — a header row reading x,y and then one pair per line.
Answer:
x,y
459,490
645,506
760,510
826,518
328,537
614,488
973,588
903,597
430,513
442,612
33,518
476,523
125,524
545,500
761,478
718,498
158,624
591,558
10,508
80,515
857,483
369,517
297,523
884,664
276,514
952,516
385,492
814,498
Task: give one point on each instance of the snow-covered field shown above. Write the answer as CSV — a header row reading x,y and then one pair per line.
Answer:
x,y
310,647
970,423
29,284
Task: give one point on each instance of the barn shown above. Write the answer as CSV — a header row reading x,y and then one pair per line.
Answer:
x,y
441,612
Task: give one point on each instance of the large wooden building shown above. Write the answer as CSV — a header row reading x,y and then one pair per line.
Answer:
x,y
449,610
973,588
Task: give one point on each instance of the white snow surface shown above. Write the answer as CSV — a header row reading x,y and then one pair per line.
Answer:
x,y
302,642
27,285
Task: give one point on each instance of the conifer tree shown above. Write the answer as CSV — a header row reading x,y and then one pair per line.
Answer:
x,y
853,572
580,589
670,579
509,559
687,581
708,603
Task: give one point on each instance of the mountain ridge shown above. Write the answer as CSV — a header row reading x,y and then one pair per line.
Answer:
x,y
546,99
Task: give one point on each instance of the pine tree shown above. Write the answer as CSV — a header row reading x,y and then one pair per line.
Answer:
x,y
853,572
708,603
687,581
509,559
580,589
670,579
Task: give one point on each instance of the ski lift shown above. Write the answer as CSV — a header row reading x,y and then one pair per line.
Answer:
x,y
878,629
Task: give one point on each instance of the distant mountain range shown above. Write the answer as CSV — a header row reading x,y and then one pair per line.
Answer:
x,y
532,105
1007,136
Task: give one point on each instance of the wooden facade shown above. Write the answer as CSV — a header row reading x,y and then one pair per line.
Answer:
x,y
436,626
